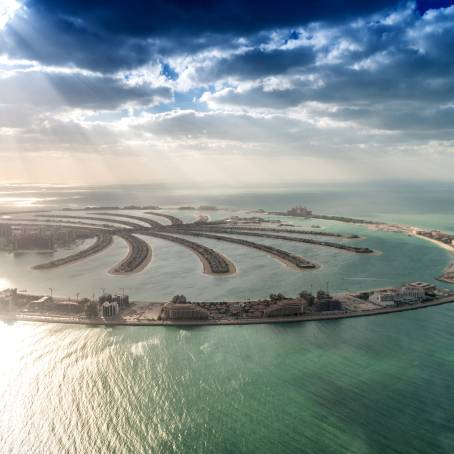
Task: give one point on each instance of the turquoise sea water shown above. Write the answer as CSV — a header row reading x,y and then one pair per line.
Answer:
x,y
372,385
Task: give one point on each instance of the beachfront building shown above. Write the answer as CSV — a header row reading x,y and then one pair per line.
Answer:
x,y
425,286
110,309
385,298
40,303
410,293
299,211
183,311
49,304
122,300
65,307
284,309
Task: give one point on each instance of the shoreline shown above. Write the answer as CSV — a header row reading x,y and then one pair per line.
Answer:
x,y
7,317
448,272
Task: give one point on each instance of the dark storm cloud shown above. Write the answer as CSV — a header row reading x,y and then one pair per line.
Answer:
x,y
107,36
64,41
392,71
425,5
398,75
258,63
158,18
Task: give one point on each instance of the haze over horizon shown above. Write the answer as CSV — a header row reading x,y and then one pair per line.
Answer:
x,y
228,94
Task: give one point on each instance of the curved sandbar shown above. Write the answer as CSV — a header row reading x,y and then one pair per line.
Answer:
x,y
287,258
448,273
213,262
150,222
173,219
139,255
93,218
103,241
344,247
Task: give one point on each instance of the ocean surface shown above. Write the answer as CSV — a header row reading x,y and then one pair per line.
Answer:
x,y
373,385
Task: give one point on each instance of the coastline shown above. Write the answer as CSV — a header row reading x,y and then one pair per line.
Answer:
x,y
448,273
6,317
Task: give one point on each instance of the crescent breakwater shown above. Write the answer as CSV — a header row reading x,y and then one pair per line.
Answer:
x,y
288,258
266,229
150,222
358,250
173,219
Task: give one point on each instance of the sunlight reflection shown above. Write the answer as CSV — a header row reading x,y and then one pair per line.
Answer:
x,y
8,9
4,283
24,201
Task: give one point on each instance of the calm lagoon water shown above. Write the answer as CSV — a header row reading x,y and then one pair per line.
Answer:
x,y
372,385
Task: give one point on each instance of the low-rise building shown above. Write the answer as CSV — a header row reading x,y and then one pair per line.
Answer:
x,y
66,307
299,211
284,309
183,311
413,292
324,302
425,286
385,298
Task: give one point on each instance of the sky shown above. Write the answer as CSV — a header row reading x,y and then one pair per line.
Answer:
x,y
226,93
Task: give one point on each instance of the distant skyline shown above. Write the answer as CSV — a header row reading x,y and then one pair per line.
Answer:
x,y
226,93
